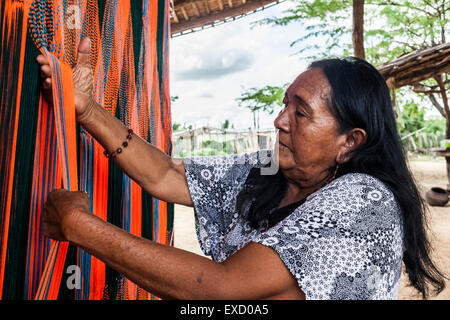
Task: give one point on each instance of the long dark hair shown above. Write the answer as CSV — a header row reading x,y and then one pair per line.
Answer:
x,y
360,99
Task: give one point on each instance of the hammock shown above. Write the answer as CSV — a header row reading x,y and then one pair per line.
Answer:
x,y
42,148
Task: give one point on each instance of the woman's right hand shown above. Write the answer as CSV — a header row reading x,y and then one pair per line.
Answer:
x,y
83,80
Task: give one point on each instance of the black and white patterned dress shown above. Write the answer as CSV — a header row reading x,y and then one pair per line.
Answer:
x,y
343,242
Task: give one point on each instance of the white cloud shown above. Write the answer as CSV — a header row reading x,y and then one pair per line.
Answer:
x,y
201,66
219,63
205,94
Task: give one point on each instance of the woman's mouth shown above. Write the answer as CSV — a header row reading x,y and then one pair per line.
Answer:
x,y
281,144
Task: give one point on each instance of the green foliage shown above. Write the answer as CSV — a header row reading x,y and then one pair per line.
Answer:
x,y
212,144
225,124
178,126
392,28
262,99
397,27
265,99
415,130
321,19
410,118
435,125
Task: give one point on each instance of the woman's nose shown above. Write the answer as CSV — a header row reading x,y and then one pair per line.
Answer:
x,y
282,120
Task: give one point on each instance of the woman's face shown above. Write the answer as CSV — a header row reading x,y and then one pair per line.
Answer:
x,y
308,135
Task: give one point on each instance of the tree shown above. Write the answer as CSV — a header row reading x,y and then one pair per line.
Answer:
x,y
176,126
322,19
358,29
265,99
392,28
225,124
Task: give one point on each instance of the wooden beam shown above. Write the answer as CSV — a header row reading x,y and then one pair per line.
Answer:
x,y
408,80
430,94
390,83
230,3
209,19
422,89
358,29
444,97
429,53
183,11
220,4
208,10
417,66
423,70
197,13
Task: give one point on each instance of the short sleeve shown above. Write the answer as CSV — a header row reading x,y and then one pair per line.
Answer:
x,y
344,242
214,183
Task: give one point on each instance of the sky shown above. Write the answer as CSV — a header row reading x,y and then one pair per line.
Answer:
x,y
209,69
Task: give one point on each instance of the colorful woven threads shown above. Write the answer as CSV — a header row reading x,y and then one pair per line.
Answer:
x,y
130,81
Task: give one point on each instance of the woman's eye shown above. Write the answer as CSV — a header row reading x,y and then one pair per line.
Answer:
x,y
298,113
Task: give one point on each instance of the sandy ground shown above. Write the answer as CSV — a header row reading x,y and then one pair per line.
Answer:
x,y
427,173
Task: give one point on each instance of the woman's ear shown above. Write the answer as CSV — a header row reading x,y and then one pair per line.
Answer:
x,y
353,140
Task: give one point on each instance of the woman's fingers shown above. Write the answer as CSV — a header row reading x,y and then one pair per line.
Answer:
x,y
84,49
47,84
46,77
42,59
45,66
60,211
45,69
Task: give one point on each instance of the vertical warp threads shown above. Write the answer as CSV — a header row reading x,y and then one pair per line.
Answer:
x,y
130,81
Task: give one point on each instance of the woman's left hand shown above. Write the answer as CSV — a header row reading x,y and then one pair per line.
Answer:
x,y
61,211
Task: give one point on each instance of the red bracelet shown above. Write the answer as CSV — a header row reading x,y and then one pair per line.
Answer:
x,y
113,154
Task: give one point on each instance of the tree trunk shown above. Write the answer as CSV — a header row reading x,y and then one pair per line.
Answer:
x,y
442,88
358,29
394,102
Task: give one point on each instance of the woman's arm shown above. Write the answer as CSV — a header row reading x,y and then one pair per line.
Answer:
x,y
160,175
254,272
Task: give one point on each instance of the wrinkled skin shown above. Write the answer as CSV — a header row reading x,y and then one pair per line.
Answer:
x,y
83,79
309,140
310,146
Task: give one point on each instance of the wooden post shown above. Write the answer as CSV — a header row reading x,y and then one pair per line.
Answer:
x,y
394,102
447,116
358,29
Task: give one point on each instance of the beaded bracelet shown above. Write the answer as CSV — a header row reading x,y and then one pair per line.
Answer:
x,y
113,154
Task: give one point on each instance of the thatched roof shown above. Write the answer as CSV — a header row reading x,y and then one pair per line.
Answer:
x,y
417,66
191,15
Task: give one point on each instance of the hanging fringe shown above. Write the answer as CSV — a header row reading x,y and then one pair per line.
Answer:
x,y
64,115
14,15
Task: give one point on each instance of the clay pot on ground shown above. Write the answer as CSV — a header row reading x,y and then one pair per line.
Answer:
x,y
437,197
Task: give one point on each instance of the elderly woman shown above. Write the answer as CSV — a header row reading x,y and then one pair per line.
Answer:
x,y
334,222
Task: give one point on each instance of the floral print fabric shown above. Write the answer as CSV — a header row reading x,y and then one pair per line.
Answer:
x,y
344,242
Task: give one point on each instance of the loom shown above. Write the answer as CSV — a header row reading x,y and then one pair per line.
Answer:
x,y
42,147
